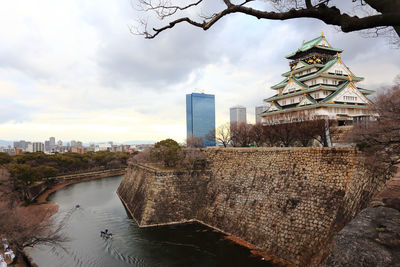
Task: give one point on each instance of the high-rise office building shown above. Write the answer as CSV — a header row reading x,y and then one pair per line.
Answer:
x,y
200,117
259,110
238,114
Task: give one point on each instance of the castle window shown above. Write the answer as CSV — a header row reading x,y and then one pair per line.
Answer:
x,y
350,98
292,101
325,81
339,72
283,102
316,95
313,82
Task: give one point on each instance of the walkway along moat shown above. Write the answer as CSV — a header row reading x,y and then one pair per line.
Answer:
x,y
178,245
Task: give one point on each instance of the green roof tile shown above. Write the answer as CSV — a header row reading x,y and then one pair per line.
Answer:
x,y
318,65
366,91
313,43
344,85
311,99
281,83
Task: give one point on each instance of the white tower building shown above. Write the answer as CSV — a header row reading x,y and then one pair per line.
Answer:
x,y
238,114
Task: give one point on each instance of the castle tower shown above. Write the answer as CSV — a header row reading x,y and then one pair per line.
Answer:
x,y
318,85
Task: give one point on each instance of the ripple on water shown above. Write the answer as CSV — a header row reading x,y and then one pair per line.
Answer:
x,y
187,245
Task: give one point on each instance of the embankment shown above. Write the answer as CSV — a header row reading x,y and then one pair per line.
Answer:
x,y
41,191
286,201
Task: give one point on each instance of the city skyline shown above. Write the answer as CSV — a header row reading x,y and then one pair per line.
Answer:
x,y
86,77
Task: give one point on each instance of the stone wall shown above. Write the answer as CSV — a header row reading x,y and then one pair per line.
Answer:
x,y
286,201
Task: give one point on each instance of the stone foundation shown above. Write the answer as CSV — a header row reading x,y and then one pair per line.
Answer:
x,y
286,201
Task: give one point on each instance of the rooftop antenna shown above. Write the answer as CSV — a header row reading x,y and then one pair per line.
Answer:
x,y
198,90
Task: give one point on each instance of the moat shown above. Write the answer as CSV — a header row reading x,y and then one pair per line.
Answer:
x,y
178,245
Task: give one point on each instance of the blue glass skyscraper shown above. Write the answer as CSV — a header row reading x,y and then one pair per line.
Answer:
x,y
200,117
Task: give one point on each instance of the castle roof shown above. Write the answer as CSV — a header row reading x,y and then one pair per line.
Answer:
x,y
318,43
322,72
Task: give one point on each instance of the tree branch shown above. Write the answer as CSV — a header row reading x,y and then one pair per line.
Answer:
x,y
329,15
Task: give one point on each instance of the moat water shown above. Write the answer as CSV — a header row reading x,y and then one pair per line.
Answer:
x,y
100,208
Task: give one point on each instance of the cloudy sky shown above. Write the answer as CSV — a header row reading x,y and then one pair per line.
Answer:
x,y
72,69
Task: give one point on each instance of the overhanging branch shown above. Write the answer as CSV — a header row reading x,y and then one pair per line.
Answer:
x,y
330,15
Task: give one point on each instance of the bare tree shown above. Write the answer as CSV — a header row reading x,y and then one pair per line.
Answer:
x,y
240,134
192,159
380,139
397,80
283,128
28,227
380,15
319,129
305,133
223,134
257,135
195,142
141,157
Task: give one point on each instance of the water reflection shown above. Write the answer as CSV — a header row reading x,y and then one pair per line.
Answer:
x,y
100,208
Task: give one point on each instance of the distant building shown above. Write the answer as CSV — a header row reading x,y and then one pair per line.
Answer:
x,y
46,146
21,144
18,151
52,142
259,110
37,147
80,150
200,117
29,147
92,147
59,143
238,115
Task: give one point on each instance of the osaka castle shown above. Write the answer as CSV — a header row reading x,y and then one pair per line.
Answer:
x,y
318,85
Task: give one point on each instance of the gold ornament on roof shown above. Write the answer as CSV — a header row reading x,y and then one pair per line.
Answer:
x,y
338,55
322,34
304,41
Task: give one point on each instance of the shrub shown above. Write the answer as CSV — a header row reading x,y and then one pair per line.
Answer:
x,y
4,158
166,151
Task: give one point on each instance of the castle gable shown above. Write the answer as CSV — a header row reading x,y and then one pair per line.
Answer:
x,y
306,100
348,94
